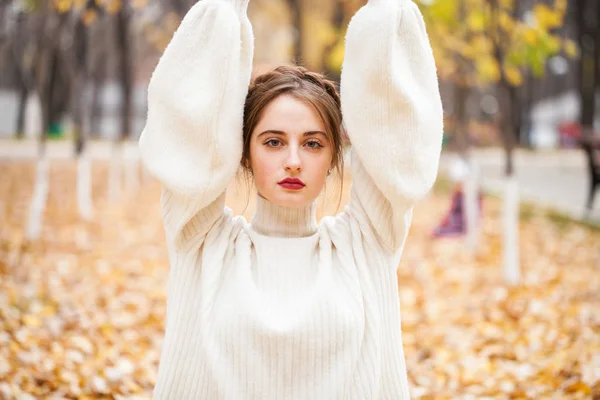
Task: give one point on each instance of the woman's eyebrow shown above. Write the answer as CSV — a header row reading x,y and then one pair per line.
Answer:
x,y
311,133
276,132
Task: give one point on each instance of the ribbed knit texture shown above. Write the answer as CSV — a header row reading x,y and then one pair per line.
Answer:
x,y
282,307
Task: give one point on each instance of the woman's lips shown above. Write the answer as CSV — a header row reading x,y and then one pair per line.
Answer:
x,y
292,184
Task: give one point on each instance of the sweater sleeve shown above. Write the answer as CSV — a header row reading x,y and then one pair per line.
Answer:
x,y
192,141
393,115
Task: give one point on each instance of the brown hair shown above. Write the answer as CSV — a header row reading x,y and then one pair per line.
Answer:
x,y
304,85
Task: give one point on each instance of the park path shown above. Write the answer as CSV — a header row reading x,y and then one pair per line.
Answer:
x,y
557,180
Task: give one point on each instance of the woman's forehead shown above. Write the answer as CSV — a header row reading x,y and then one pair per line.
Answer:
x,y
290,115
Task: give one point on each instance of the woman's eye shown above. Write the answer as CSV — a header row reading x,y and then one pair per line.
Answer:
x,y
313,144
273,142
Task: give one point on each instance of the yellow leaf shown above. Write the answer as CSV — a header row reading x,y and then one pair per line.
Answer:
x,y
488,69
32,321
571,49
62,6
476,21
468,50
547,18
513,75
48,311
506,22
89,17
482,44
113,6
336,56
553,44
323,31
579,387
530,36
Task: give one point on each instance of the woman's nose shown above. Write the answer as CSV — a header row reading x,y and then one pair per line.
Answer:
x,y
293,162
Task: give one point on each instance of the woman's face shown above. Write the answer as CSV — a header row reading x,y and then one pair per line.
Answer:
x,y
289,143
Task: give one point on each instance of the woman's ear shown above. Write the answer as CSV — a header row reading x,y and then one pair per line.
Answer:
x,y
332,165
246,164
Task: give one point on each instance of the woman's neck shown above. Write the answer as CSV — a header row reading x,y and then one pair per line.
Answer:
x,y
273,220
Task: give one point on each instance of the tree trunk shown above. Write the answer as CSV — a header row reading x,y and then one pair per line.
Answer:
x,y
125,69
597,54
597,47
461,94
472,207
338,22
181,7
114,173
132,172
46,87
588,64
40,197
84,178
45,64
41,188
78,74
33,124
23,93
508,125
24,73
512,269
461,137
126,79
525,111
470,185
510,220
96,106
84,186
296,9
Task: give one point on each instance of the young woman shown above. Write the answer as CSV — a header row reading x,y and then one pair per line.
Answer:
x,y
283,307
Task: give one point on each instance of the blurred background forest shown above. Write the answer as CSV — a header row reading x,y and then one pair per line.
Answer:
x,y
83,65
505,252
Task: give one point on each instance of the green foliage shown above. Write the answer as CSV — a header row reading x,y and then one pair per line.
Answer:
x,y
468,35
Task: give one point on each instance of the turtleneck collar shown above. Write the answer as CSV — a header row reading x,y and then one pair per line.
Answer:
x,y
273,220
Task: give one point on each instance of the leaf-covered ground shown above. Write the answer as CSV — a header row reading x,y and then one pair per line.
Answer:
x,y
82,311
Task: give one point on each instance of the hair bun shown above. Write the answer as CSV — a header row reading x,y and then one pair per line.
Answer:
x,y
300,74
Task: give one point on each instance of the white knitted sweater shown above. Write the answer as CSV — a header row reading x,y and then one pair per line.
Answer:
x,y
282,307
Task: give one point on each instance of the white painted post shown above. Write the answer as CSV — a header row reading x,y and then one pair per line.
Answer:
x,y
39,199
114,173
511,270
472,212
84,186
33,115
132,171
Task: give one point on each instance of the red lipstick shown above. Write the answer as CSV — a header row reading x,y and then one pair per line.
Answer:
x,y
292,184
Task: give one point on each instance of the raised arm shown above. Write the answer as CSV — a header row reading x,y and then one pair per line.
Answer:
x,y
192,142
393,114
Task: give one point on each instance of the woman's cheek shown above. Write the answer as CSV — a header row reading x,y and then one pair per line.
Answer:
x,y
266,170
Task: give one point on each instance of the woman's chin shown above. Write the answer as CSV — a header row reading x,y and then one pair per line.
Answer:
x,y
291,200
